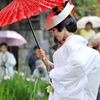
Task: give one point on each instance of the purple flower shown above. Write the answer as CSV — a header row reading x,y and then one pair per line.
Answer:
x,y
39,94
32,80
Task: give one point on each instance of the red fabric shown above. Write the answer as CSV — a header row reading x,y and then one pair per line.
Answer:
x,y
70,1
22,9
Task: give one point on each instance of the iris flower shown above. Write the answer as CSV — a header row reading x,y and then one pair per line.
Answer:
x,y
39,94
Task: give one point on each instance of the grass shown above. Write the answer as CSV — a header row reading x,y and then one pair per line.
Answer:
x,y
21,89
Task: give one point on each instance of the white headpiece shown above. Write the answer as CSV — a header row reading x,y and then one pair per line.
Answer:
x,y
54,20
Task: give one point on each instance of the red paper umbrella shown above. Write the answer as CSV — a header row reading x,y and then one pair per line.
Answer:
x,y
22,9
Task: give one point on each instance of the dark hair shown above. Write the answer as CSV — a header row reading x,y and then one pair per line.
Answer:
x,y
3,44
69,22
35,48
56,40
89,23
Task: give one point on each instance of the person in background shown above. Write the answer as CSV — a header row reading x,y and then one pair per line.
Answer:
x,y
88,31
32,60
7,61
40,70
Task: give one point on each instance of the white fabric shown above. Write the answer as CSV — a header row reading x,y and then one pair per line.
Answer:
x,y
11,63
76,73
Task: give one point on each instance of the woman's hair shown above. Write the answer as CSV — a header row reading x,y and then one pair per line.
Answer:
x,y
3,44
69,22
56,40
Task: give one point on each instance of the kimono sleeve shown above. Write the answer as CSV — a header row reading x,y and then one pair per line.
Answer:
x,y
73,68
11,60
51,65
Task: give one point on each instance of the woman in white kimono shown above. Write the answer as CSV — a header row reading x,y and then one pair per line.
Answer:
x,y
7,61
76,73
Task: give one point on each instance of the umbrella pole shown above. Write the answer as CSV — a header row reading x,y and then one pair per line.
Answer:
x,y
33,32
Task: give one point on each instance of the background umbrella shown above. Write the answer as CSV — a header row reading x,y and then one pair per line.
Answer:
x,y
22,9
30,52
95,20
12,38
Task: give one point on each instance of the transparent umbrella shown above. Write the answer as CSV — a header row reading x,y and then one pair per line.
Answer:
x,y
12,38
95,20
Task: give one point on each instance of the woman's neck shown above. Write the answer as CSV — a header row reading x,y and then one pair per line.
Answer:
x,y
68,34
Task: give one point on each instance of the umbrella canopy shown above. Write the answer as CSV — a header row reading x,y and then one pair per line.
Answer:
x,y
93,19
22,9
12,38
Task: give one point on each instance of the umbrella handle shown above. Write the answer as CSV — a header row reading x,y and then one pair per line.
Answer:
x,y
33,32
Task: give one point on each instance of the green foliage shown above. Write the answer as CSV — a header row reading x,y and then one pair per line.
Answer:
x,y
87,6
21,89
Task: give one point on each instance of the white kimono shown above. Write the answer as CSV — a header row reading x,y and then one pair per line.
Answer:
x,y
76,73
10,63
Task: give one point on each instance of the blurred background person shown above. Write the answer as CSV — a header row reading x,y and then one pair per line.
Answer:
x,y
88,31
40,70
7,61
32,60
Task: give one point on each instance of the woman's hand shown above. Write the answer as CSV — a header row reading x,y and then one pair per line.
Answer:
x,y
41,54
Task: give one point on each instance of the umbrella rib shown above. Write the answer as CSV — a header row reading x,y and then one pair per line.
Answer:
x,y
5,9
27,7
22,9
43,5
16,12
37,7
50,2
33,6
10,14
6,13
